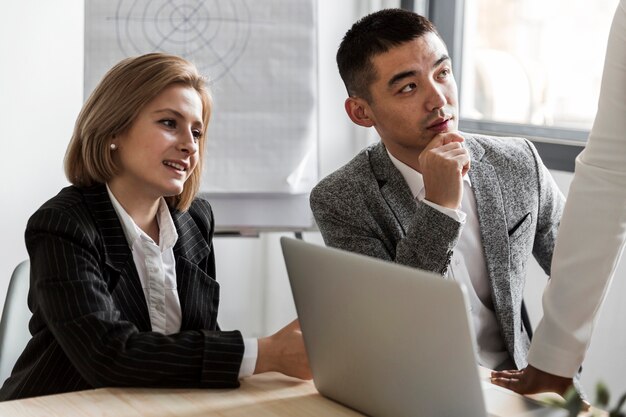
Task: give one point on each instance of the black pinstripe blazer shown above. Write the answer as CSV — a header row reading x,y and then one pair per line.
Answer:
x,y
90,324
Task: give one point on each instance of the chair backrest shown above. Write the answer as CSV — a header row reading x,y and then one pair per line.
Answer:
x,y
14,333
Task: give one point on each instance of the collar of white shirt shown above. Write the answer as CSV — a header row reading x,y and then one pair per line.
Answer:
x,y
414,179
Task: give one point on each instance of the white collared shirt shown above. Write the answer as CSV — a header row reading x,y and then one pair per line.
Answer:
x,y
467,266
156,267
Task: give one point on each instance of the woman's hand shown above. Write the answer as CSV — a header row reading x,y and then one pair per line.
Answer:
x,y
284,352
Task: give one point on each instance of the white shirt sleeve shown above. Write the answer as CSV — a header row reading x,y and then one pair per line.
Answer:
x,y
593,228
250,354
457,215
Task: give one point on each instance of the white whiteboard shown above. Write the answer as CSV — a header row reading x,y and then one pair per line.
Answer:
x,y
260,58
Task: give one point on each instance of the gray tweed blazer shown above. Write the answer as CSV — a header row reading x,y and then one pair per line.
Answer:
x,y
367,207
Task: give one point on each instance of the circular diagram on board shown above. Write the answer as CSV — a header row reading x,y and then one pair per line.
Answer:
x,y
212,33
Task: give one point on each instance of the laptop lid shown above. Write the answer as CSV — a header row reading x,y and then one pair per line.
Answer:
x,y
382,338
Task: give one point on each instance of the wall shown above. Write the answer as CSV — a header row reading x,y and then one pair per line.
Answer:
x,y
41,87
255,293
41,94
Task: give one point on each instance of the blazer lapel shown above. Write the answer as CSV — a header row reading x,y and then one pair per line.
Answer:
x,y
494,233
393,187
190,244
122,274
198,292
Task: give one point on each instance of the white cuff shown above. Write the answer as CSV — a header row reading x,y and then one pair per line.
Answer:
x,y
250,354
457,215
553,359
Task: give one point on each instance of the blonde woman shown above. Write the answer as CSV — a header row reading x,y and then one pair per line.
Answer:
x,y
123,289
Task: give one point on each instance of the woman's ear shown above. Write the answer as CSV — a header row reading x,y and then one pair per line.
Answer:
x,y
359,111
114,143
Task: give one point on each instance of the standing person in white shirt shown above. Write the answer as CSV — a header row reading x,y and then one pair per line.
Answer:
x,y
590,240
123,288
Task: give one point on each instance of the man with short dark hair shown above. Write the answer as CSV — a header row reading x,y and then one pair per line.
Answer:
x,y
468,207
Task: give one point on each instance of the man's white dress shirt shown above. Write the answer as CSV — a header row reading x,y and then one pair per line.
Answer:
x,y
468,267
156,267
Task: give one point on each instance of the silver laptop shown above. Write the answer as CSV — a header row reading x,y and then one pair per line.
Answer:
x,y
389,340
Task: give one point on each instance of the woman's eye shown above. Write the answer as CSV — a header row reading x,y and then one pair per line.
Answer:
x,y
408,88
197,135
168,122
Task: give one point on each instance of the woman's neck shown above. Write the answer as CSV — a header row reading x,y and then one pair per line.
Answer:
x,y
143,210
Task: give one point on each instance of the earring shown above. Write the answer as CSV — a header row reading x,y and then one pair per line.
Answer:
x,y
113,146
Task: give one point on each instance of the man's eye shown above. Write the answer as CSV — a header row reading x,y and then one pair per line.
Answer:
x,y
444,73
408,88
168,122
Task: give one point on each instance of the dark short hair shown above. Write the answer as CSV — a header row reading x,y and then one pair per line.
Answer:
x,y
371,35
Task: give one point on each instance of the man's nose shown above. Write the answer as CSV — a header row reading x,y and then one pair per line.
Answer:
x,y
436,99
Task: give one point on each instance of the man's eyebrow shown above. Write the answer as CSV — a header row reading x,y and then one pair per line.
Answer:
x,y
399,77
405,74
442,59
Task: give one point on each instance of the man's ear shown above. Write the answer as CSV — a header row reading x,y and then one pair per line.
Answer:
x,y
359,112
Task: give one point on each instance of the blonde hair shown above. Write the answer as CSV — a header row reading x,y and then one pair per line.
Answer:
x,y
112,108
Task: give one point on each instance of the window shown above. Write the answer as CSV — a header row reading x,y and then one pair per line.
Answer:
x,y
528,67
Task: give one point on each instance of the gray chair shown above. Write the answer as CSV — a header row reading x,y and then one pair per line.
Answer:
x,y
14,334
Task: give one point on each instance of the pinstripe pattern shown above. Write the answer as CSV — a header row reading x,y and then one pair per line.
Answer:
x,y
367,207
90,322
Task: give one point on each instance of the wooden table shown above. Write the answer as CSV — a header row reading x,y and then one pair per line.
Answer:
x,y
265,395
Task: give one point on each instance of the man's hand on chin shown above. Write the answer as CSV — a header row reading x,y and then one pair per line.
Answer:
x,y
443,163
531,380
